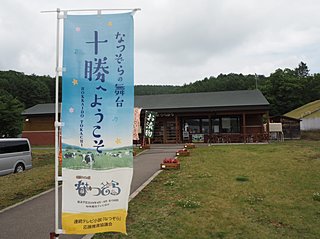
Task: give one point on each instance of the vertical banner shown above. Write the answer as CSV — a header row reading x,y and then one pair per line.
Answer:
x,y
97,113
149,123
136,123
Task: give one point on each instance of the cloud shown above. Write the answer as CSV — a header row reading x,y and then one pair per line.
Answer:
x,y
177,42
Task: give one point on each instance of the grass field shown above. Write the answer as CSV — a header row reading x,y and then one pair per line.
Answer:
x,y
245,191
310,135
18,187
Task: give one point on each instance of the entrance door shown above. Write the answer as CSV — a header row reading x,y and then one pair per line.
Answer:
x,y
170,132
165,131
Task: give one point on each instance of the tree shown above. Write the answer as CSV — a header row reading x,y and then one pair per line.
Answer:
x,y
302,70
284,91
30,90
10,115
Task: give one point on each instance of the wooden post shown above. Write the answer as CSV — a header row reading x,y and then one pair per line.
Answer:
x,y
244,127
177,130
268,126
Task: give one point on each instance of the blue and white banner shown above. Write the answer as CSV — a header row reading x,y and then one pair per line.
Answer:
x,y
97,113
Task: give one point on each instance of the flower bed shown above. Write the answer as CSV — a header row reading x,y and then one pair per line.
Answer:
x,y
183,152
170,163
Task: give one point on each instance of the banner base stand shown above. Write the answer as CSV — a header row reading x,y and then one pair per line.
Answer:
x,y
53,235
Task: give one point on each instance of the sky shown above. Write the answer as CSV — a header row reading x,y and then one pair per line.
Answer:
x,y
176,41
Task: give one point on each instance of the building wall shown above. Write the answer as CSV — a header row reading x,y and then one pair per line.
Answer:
x,y
38,123
310,124
39,129
39,137
290,127
253,123
170,127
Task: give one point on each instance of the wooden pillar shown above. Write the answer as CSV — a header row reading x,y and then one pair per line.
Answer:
x,y
178,129
210,124
244,128
268,126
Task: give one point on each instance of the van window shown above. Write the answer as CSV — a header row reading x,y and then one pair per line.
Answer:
x,y
14,146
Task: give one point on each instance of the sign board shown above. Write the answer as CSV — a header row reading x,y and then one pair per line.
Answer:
x,y
197,138
185,135
97,112
150,120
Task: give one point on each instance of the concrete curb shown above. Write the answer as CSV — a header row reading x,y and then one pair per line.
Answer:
x,y
133,195
141,152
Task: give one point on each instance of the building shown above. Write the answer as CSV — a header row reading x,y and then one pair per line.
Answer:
x,y
309,114
227,116
38,124
290,126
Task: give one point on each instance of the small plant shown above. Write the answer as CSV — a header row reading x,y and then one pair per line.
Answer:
x,y
254,199
219,235
189,203
169,183
316,196
205,175
242,178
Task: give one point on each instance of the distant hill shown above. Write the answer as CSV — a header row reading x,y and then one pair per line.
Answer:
x,y
221,83
155,89
285,89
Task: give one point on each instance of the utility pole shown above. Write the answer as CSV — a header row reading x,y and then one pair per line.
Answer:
x,y
256,77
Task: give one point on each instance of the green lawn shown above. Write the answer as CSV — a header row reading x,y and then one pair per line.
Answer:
x,y
233,191
18,187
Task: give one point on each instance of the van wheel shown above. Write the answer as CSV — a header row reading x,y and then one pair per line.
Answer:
x,y
19,168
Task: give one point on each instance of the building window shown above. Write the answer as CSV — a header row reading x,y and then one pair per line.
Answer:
x,y
205,126
192,125
216,125
196,126
227,124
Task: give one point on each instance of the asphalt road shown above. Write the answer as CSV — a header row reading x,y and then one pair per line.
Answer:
x,y
35,219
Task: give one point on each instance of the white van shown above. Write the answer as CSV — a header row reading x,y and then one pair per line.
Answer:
x,y
15,155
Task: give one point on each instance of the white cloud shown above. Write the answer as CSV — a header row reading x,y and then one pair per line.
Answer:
x,y
176,41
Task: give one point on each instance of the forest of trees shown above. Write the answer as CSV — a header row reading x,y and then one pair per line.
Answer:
x,y
285,89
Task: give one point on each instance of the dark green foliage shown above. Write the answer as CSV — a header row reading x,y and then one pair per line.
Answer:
x,y
242,178
18,92
302,70
28,89
155,89
285,89
316,196
10,116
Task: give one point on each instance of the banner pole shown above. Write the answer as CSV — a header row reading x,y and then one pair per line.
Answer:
x,y
57,126
134,10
